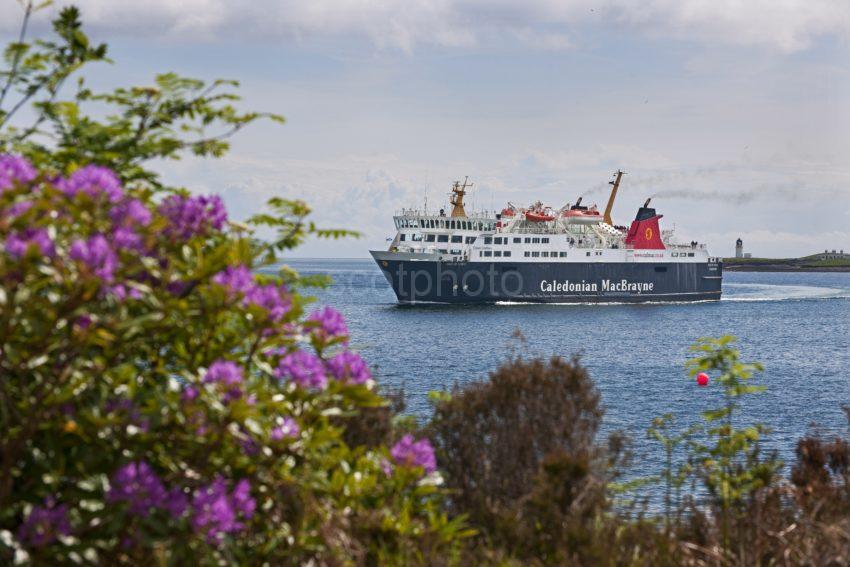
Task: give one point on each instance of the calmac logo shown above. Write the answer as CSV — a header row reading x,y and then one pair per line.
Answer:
x,y
648,234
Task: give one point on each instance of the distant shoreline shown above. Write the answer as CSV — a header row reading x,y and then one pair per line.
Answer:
x,y
783,265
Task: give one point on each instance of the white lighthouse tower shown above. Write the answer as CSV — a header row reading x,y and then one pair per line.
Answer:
x,y
739,248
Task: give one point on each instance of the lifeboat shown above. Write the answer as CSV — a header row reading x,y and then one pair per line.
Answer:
x,y
508,212
534,216
578,213
583,215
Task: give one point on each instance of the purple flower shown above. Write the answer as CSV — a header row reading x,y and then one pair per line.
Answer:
x,y
348,366
126,215
97,254
237,279
129,212
19,208
176,502
138,485
412,453
288,429
190,216
217,513
177,287
329,323
93,180
126,238
271,298
304,369
83,322
14,169
19,243
44,524
189,394
224,372
228,374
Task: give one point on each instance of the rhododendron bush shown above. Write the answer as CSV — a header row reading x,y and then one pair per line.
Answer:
x,y
166,394
161,400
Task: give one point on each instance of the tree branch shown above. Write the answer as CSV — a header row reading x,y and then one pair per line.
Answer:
x,y
17,60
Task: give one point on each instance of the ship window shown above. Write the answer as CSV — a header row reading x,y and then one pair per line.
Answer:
x,y
470,239
517,240
690,254
442,238
443,251
430,238
661,269
507,253
588,253
497,253
675,254
535,254
497,240
488,253
457,252
488,240
527,253
528,241
416,237
563,254
545,254
401,237
544,240
457,238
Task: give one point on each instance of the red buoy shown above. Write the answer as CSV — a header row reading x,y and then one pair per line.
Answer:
x,y
702,379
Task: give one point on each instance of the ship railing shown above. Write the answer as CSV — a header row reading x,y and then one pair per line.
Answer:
x,y
421,213
532,230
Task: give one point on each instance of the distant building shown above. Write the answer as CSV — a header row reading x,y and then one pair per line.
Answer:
x,y
739,248
834,255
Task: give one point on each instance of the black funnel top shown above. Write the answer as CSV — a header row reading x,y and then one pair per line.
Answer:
x,y
645,213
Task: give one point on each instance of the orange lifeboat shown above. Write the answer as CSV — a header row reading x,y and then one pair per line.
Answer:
x,y
533,216
508,212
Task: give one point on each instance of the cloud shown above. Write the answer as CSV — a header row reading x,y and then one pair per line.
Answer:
x,y
778,25
775,209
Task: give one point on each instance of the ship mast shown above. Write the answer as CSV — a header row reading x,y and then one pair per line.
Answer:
x,y
456,199
610,206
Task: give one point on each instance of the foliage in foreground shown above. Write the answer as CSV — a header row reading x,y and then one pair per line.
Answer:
x,y
158,401
540,492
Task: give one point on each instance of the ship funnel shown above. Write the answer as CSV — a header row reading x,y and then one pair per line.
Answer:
x,y
645,232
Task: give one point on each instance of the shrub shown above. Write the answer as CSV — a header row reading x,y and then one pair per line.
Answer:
x,y
519,454
159,402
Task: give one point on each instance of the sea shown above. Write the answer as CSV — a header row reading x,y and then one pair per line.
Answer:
x,y
796,324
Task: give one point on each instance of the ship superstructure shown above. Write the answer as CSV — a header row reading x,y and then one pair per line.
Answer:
x,y
541,254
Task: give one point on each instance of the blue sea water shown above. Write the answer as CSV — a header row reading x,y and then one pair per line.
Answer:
x,y
796,324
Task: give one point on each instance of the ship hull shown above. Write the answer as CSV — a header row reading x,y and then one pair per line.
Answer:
x,y
416,281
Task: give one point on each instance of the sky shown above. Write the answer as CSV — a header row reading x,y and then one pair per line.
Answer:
x,y
734,115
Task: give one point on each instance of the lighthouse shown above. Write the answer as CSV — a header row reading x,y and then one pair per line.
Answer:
x,y
739,248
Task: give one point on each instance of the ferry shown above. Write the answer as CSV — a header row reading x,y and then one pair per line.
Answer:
x,y
540,254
